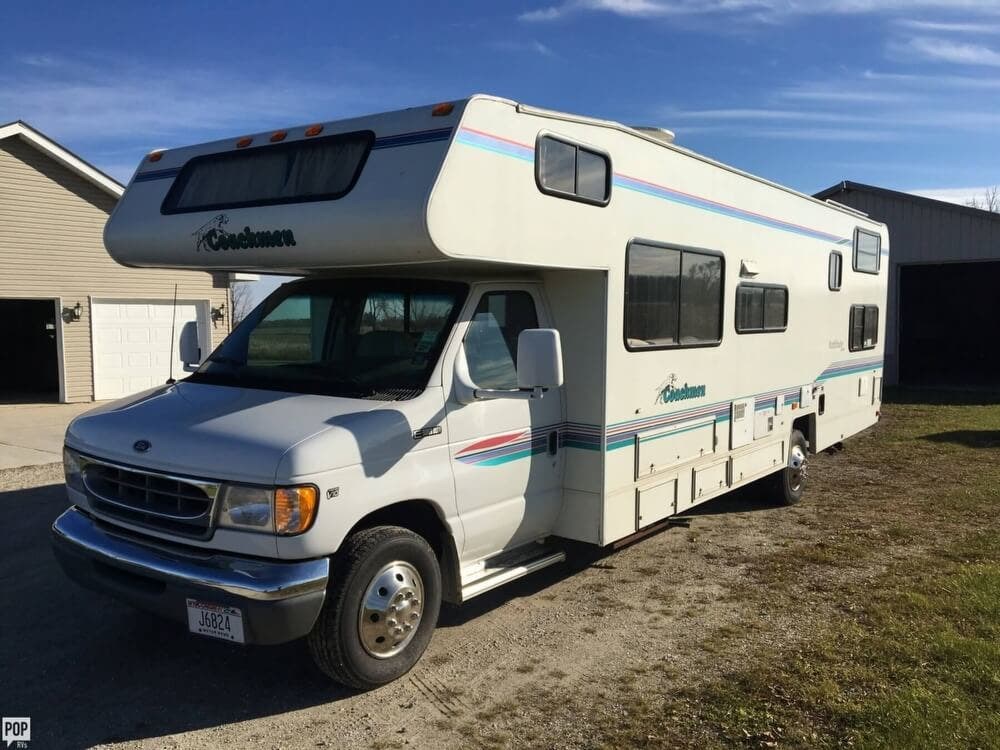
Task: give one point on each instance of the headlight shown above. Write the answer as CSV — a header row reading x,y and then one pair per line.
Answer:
x,y
72,469
285,510
247,508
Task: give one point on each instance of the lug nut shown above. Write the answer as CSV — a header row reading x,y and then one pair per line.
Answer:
x,y
397,631
391,622
407,626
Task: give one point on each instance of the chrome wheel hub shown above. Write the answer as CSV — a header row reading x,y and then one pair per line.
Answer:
x,y
798,468
391,610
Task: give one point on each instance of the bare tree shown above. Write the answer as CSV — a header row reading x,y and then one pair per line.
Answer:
x,y
990,200
242,301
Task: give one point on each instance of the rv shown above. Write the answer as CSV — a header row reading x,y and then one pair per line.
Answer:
x,y
515,328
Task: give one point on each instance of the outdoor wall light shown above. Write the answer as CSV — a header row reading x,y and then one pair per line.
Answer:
x,y
76,312
219,313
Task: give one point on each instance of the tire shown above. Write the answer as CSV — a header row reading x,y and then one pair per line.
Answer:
x,y
789,485
396,574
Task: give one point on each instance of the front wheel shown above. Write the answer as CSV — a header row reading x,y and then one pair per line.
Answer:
x,y
381,608
789,484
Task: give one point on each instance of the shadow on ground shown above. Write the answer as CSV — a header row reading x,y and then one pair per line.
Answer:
x,y
89,670
967,438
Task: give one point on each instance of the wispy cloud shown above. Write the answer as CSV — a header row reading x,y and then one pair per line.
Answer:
x,y
759,10
936,49
947,27
961,195
532,45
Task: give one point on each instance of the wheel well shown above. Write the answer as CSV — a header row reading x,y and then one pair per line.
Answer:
x,y
806,424
419,516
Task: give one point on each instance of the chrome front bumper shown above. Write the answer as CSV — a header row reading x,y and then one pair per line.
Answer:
x,y
280,600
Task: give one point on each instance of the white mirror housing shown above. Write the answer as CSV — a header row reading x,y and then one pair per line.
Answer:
x,y
539,359
190,349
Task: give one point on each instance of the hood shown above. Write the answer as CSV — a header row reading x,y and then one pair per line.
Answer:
x,y
212,431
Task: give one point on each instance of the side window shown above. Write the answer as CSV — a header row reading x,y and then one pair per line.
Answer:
x,y
491,341
566,170
867,251
761,309
864,327
673,297
836,271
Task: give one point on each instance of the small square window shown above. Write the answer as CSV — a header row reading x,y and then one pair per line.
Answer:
x,y
761,308
867,251
863,327
557,165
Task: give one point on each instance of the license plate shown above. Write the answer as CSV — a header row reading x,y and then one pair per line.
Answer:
x,y
215,620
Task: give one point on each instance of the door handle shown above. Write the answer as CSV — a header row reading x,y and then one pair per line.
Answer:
x,y
553,442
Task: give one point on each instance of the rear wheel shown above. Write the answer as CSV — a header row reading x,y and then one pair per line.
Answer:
x,y
380,610
789,484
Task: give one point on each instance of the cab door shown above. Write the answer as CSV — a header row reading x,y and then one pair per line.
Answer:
x,y
504,453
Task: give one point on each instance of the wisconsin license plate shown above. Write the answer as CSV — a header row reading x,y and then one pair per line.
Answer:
x,y
215,620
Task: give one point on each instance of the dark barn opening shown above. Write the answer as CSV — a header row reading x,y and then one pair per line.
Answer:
x,y
949,324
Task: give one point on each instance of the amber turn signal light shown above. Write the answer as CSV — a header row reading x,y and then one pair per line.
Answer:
x,y
156,156
244,142
294,509
314,130
278,135
443,109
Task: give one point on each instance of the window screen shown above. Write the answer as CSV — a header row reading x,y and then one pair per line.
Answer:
x,y
673,297
491,341
867,249
569,171
864,327
761,308
312,170
836,271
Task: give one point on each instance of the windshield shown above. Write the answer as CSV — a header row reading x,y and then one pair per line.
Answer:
x,y
362,338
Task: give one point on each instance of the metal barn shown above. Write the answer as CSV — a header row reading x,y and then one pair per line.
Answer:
x,y
944,287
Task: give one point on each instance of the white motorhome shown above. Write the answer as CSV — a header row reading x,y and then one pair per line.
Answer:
x,y
516,327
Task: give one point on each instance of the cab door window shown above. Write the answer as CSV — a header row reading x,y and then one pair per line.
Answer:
x,y
491,341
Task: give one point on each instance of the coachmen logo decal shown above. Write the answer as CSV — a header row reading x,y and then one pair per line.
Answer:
x,y
668,391
212,237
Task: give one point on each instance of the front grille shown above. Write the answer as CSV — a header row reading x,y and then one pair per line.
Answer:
x,y
173,504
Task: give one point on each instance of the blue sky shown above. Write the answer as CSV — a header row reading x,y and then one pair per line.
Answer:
x,y
804,92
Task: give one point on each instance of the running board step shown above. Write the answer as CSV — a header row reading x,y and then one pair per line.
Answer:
x,y
490,577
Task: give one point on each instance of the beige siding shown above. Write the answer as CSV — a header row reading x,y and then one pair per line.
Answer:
x,y
51,226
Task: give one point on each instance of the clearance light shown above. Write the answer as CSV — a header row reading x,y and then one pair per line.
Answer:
x,y
278,135
314,130
442,110
244,142
156,156
294,509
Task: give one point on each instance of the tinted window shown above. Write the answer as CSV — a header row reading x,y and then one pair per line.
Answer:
x,y
491,341
567,170
320,169
761,308
836,271
673,297
863,327
867,247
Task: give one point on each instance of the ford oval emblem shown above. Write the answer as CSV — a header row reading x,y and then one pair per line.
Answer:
x,y
141,445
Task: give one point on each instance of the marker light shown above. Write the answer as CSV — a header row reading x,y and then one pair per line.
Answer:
x,y
294,509
244,142
156,156
278,135
314,130
443,109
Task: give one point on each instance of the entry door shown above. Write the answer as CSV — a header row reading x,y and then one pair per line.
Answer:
x,y
132,343
505,453
28,336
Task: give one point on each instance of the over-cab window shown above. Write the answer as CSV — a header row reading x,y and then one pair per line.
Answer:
x,y
761,308
864,327
566,170
297,172
673,297
491,341
867,251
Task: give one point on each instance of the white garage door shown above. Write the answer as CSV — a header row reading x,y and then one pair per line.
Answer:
x,y
132,343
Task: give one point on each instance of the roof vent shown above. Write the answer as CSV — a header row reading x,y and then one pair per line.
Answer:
x,y
660,134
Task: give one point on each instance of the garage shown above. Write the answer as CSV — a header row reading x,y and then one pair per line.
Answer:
x,y
30,336
948,333
135,342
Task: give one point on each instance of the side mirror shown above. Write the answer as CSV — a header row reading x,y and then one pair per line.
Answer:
x,y
190,350
539,359
539,368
